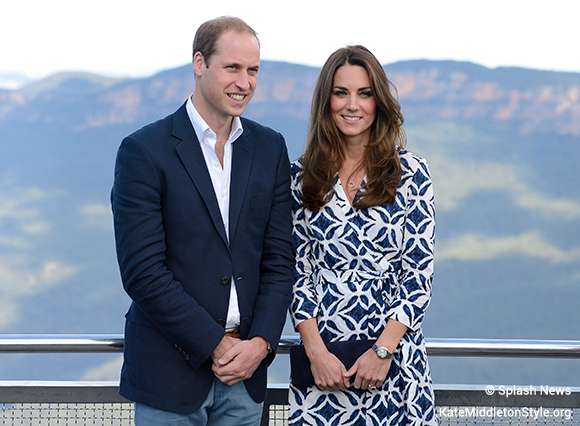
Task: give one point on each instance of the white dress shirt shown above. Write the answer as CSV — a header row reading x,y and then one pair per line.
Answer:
x,y
220,177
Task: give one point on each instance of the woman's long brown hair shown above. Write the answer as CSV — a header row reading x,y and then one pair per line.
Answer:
x,y
324,146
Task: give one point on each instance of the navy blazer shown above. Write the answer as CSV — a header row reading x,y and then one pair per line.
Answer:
x,y
176,263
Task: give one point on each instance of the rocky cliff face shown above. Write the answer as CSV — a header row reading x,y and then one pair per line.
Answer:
x,y
535,101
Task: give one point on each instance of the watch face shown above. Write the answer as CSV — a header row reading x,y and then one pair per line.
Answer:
x,y
382,352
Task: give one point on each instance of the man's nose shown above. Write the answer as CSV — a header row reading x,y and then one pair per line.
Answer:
x,y
243,81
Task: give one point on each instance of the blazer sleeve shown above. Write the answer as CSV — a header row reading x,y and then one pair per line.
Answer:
x,y
277,262
136,201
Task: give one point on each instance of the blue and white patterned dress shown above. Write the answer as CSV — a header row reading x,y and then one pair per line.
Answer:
x,y
356,269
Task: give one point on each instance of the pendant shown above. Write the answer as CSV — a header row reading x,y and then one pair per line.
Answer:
x,y
351,184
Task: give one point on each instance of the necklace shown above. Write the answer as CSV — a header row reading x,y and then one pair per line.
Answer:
x,y
351,178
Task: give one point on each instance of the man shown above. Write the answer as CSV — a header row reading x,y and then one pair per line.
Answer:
x,y
202,210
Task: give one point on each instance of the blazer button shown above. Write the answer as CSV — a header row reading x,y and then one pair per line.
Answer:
x,y
225,280
221,322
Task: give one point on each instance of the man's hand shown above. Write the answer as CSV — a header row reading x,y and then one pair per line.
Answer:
x,y
240,360
225,345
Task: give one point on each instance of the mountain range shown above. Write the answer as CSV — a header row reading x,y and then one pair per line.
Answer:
x,y
502,145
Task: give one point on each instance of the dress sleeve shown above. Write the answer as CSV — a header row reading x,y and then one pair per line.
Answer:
x,y
416,273
304,301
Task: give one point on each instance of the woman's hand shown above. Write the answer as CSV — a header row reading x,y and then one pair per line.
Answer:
x,y
370,370
328,371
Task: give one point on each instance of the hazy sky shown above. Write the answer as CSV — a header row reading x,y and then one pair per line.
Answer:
x,y
130,37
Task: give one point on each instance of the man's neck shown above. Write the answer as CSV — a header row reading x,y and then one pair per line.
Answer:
x,y
220,124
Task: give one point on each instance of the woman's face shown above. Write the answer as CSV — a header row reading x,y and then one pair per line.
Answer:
x,y
352,103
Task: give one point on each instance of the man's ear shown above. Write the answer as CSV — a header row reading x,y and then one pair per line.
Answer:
x,y
198,64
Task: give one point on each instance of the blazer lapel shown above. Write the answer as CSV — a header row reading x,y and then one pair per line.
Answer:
x,y
192,158
242,155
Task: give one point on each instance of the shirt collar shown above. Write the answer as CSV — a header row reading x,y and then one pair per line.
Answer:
x,y
201,127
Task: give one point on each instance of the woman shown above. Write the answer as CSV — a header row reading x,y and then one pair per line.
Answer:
x,y
364,232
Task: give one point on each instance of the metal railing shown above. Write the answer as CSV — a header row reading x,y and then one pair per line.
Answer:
x,y
71,343
98,403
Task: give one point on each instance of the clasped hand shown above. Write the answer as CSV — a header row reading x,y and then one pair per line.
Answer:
x,y
235,360
330,373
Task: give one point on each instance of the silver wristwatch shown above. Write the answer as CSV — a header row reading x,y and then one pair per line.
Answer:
x,y
382,352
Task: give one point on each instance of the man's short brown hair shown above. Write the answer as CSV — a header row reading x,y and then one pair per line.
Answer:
x,y
208,34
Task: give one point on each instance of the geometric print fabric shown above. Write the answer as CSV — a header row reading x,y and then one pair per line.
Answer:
x,y
355,270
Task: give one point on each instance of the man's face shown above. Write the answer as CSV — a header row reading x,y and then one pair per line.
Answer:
x,y
225,87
